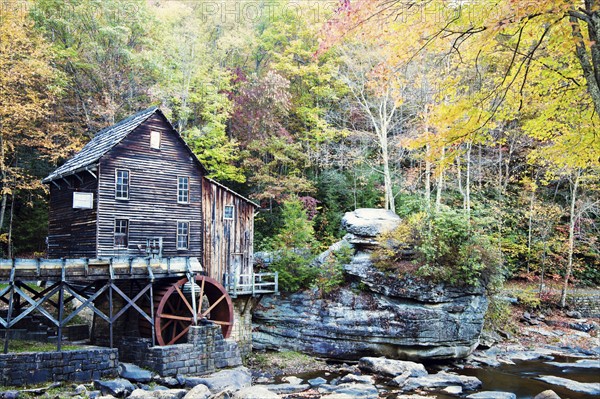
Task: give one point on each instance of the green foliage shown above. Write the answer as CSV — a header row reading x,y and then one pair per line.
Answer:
x,y
331,273
448,249
293,248
499,317
17,346
529,298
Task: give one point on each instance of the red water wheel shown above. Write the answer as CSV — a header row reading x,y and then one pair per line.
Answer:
x,y
174,308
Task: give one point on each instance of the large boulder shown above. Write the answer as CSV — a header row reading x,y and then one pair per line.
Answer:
x,y
367,222
377,313
396,318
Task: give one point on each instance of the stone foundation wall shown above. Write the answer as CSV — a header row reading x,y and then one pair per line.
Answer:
x,y
17,369
588,305
205,352
242,325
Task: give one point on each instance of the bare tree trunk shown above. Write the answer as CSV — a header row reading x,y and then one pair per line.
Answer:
x,y
427,179
387,176
440,183
10,226
530,227
459,181
573,217
4,187
468,182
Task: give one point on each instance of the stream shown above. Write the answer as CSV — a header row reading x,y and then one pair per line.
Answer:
x,y
518,379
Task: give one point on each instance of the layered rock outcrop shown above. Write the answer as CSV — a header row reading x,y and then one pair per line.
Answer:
x,y
375,314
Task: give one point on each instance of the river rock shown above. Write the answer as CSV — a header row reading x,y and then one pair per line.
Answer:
x,y
441,380
134,373
547,394
117,387
292,380
366,391
367,222
255,392
200,391
158,394
361,379
492,395
453,390
286,389
315,382
390,367
590,388
234,379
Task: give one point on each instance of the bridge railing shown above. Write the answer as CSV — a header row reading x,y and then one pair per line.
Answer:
x,y
251,283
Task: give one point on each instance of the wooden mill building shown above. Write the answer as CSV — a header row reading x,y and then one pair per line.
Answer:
x,y
136,189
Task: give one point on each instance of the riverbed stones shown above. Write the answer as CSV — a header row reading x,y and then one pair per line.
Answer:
x,y
118,387
234,379
361,379
316,382
354,390
134,373
441,380
200,391
547,394
255,392
492,395
286,389
590,388
158,394
390,367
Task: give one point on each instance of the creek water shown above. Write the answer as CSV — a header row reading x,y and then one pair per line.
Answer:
x,y
519,379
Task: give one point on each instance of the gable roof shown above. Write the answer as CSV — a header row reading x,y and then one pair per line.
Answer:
x,y
102,142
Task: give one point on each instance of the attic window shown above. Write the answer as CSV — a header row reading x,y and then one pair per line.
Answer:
x,y
155,140
228,212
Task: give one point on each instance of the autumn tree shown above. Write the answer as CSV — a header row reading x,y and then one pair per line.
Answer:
x,y
29,136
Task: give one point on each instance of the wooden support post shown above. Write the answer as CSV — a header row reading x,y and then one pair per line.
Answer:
x,y
61,303
152,313
10,306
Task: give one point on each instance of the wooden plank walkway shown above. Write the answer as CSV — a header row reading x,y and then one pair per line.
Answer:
x,y
83,269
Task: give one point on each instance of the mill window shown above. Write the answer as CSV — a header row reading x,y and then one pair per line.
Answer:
x,y
121,233
183,235
155,140
183,190
122,184
228,212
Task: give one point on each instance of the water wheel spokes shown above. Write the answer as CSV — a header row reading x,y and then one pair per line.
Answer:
x,y
175,304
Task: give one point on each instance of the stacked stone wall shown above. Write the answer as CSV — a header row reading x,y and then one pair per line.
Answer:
x,y
205,352
587,305
242,327
18,369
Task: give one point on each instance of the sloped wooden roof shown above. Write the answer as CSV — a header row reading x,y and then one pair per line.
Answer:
x,y
102,142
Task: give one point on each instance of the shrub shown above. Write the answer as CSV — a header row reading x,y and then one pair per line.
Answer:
x,y
447,247
331,273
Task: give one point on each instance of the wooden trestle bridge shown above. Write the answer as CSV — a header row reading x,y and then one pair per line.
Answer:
x,y
168,294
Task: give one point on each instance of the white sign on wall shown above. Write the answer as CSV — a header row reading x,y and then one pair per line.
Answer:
x,y
83,200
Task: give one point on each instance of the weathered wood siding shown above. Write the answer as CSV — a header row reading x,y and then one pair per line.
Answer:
x,y
228,244
72,232
152,208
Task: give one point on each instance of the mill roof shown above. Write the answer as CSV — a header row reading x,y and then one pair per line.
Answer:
x,y
102,142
